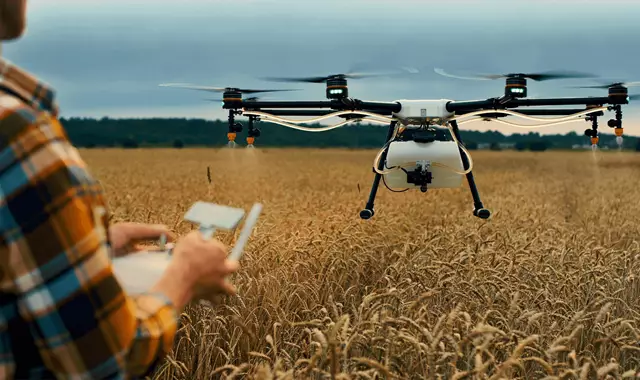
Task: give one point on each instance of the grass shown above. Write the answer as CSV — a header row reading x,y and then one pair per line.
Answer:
x,y
548,288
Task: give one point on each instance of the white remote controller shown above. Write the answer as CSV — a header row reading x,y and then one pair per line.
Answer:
x,y
138,272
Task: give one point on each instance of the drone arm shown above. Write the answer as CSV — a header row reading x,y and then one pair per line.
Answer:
x,y
471,105
530,112
256,105
387,107
475,105
310,112
590,101
280,112
351,104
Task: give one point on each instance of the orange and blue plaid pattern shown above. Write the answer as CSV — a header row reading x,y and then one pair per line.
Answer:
x,y
62,312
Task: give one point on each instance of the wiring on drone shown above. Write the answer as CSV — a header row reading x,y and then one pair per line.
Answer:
x,y
269,117
378,157
290,123
322,129
553,121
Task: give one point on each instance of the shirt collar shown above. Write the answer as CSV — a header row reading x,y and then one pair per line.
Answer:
x,y
28,87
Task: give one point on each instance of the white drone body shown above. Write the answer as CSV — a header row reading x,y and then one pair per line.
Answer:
x,y
422,111
439,160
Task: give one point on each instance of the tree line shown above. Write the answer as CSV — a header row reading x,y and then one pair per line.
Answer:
x,y
183,132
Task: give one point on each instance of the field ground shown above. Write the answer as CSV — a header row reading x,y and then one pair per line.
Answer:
x,y
549,287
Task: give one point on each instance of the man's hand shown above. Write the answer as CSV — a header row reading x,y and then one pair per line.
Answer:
x,y
126,237
198,270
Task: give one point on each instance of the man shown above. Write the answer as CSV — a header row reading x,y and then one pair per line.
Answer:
x,y
62,312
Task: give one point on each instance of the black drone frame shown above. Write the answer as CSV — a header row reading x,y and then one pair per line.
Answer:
x,y
514,97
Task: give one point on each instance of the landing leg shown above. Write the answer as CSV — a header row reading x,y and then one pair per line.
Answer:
x,y
478,208
368,211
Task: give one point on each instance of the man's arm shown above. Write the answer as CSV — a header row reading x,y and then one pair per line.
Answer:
x,y
80,318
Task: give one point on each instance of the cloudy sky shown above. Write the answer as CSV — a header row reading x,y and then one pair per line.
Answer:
x,y
107,57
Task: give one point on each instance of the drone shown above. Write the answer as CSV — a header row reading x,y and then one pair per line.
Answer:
x,y
416,154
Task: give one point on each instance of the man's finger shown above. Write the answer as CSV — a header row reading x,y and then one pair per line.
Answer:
x,y
231,266
139,231
229,289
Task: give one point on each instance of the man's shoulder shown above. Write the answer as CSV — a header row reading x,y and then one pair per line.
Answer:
x,y
15,117
18,118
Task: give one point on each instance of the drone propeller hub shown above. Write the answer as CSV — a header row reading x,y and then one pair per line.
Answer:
x,y
232,95
337,88
516,86
618,94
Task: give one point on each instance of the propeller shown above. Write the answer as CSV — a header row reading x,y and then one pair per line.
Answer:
x,y
609,85
349,75
250,99
220,89
542,76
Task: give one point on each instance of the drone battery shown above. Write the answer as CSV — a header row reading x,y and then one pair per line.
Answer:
x,y
409,154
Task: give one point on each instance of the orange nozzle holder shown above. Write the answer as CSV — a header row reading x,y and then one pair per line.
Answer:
x,y
594,140
250,140
619,131
231,136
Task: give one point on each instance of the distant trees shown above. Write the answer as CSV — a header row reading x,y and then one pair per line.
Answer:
x,y
471,145
182,132
129,143
538,146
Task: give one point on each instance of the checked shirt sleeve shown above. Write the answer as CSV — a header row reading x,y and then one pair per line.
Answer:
x,y
81,321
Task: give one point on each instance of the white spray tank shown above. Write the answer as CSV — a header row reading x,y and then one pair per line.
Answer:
x,y
440,158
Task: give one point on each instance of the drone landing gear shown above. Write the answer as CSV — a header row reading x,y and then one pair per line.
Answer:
x,y
478,207
368,211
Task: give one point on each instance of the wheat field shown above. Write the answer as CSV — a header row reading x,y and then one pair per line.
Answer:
x,y
548,288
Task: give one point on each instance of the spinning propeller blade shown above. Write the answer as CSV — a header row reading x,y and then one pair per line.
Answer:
x,y
250,99
349,75
547,75
220,89
609,85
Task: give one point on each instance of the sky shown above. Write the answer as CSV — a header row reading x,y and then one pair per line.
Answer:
x,y
107,57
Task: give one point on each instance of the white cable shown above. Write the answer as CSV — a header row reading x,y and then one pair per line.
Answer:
x,y
520,125
383,119
509,112
319,129
319,118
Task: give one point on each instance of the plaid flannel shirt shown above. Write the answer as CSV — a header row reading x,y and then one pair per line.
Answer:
x,y
62,312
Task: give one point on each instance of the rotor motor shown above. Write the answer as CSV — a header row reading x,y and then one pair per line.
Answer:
x,y
230,99
516,87
337,88
618,94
